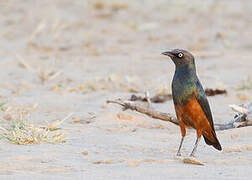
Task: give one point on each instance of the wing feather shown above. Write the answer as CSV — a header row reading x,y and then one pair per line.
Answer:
x,y
202,99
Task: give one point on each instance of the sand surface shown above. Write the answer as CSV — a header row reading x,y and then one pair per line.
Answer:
x,y
71,56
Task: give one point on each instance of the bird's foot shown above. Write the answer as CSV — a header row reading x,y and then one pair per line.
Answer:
x,y
178,154
195,147
192,155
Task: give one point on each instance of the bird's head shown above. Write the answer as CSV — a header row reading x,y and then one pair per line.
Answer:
x,y
180,57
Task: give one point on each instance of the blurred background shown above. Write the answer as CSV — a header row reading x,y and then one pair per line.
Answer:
x,y
64,56
114,46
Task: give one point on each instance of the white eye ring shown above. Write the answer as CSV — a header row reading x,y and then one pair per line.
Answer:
x,y
180,55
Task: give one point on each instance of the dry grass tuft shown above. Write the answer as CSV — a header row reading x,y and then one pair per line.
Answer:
x,y
46,74
21,131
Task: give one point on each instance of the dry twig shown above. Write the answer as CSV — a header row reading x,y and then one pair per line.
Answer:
x,y
150,112
242,119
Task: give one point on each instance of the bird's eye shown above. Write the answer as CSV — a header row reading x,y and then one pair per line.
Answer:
x,y
180,55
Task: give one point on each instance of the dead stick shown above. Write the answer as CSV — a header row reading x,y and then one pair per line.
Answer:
x,y
150,112
169,117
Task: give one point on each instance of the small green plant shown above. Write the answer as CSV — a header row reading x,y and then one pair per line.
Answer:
x,y
246,85
2,106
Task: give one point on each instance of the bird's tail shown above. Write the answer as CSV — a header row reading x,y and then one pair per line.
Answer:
x,y
213,141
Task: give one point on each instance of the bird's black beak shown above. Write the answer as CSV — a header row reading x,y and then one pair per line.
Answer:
x,y
168,53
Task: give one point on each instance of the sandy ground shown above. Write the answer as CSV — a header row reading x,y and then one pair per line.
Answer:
x,y
71,56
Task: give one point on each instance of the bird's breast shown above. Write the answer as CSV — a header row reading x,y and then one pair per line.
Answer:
x,y
192,115
183,89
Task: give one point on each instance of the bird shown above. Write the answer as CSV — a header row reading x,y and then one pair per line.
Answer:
x,y
190,101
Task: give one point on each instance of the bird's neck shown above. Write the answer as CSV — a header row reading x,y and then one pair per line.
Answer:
x,y
186,70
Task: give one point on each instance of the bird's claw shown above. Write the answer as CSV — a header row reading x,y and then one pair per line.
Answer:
x,y
192,155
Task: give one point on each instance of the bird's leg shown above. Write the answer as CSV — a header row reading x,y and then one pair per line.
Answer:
x,y
147,96
183,132
195,147
181,142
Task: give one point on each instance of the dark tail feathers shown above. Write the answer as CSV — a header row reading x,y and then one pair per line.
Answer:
x,y
215,144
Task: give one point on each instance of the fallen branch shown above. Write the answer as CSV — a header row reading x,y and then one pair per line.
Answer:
x,y
159,98
145,110
163,97
242,119
213,92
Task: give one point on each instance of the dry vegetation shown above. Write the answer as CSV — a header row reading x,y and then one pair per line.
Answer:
x,y
246,85
20,129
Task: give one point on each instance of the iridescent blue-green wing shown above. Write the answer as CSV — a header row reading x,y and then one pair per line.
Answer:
x,y
202,99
